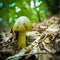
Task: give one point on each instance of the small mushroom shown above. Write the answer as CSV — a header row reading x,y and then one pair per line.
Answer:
x,y
22,25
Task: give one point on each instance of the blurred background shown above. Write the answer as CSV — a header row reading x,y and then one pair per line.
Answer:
x,y
35,10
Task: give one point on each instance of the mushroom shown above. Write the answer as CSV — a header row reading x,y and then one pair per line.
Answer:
x,y
22,25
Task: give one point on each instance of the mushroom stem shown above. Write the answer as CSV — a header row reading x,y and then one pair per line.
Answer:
x,y
21,40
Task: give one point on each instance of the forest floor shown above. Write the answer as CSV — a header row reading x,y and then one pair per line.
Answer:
x,y
43,42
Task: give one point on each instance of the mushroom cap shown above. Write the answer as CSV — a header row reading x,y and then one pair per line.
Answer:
x,y
22,24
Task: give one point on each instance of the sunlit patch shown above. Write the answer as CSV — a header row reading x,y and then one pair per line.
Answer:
x,y
1,4
32,4
37,8
17,9
0,19
16,16
13,4
10,19
36,3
